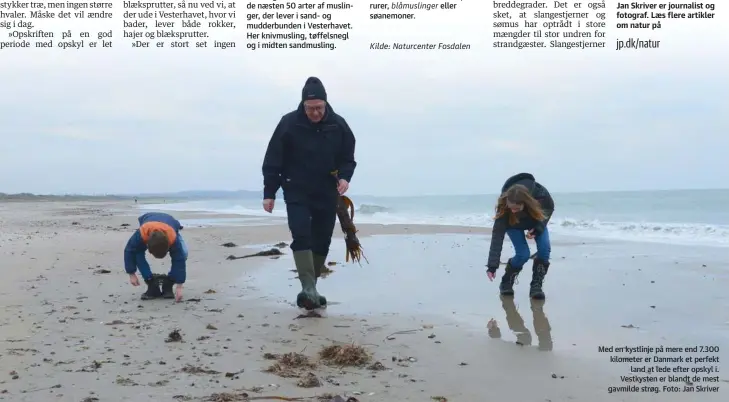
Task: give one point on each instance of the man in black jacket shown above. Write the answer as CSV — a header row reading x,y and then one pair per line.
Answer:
x,y
311,157
524,205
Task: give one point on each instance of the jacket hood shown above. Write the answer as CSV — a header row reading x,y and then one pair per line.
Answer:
x,y
525,179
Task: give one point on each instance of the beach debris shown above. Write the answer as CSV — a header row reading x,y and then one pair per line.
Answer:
x,y
93,367
557,376
439,398
403,362
309,314
90,399
190,369
14,375
289,365
210,291
629,326
42,389
309,380
345,213
211,327
325,271
345,355
124,225
377,366
234,375
116,322
125,381
405,332
242,396
229,244
280,245
332,263
274,252
463,364
337,398
102,271
174,336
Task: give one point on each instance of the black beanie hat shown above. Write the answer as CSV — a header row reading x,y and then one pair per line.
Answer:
x,y
313,89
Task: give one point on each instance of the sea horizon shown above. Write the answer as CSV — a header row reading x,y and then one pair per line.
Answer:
x,y
693,217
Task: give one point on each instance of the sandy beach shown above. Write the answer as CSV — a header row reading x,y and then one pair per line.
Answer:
x,y
434,328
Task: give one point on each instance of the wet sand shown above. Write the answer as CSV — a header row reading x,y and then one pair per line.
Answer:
x,y
73,329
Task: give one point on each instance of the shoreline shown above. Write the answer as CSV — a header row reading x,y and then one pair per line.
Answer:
x,y
421,308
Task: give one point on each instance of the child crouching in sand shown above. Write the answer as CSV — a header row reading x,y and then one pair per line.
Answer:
x,y
524,205
159,233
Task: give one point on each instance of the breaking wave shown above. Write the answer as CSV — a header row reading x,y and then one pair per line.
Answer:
x,y
631,229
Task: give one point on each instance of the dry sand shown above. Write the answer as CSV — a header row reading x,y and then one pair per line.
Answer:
x,y
73,329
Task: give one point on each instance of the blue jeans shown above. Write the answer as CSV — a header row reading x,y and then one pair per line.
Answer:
x,y
521,247
145,270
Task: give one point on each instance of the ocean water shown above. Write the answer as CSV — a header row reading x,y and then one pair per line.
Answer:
x,y
676,217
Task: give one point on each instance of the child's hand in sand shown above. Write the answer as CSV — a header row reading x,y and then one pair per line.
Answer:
x,y
134,280
530,234
491,275
178,292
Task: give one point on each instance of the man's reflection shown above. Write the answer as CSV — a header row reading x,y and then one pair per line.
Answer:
x,y
517,326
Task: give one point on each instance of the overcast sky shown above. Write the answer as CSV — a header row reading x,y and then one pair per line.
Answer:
x,y
152,120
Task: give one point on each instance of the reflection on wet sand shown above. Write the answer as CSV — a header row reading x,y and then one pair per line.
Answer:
x,y
516,324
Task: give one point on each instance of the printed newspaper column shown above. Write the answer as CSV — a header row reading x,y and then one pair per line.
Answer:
x,y
180,25
398,15
272,24
63,25
551,24
640,24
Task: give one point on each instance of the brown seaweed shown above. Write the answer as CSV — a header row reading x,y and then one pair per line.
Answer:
x,y
345,213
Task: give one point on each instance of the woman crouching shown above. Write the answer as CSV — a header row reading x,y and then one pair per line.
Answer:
x,y
524,205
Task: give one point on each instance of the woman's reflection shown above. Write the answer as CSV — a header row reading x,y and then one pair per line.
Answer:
x,y
517,326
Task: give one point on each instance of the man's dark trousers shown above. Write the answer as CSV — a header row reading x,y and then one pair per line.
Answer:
x,y
311,222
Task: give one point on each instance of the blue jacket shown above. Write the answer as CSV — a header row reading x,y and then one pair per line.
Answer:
x,y
134,252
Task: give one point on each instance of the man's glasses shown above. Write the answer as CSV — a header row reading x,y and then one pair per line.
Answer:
x,y
314,108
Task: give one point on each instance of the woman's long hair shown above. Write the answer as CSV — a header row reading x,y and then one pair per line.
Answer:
x,y
518,194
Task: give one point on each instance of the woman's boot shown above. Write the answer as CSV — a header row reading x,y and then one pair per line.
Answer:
x,y
507,281
539,271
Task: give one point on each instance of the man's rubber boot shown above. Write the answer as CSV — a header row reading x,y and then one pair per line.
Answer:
x,y
167,292
319,262
308,298
539,271
153,290
507,281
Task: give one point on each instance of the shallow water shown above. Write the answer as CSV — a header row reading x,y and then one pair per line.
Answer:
x,y
247,221
599,293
